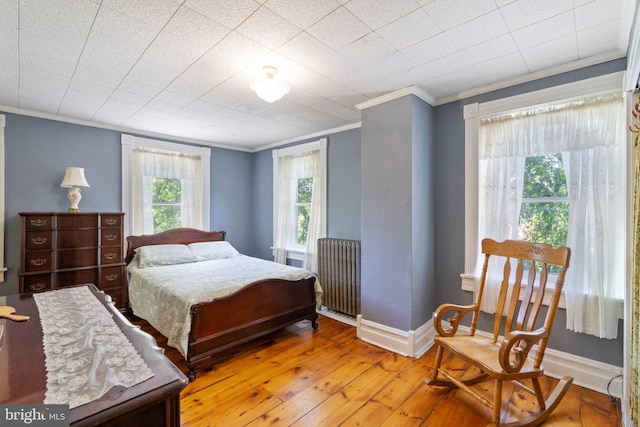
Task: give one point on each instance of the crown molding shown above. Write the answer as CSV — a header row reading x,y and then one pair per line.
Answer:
x,y
410,90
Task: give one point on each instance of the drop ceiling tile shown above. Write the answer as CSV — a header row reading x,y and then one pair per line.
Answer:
x,y
378,13
523,13
268,28
502,68
368,49
302,13
229,13
153,12
339,29
429,50
116,42
597,12
479,30
234,53
409,29
60,28
133,99
551,54
451,13
494,48
599,38
556,27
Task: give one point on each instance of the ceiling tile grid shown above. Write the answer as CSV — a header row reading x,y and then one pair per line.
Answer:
x,y
182,68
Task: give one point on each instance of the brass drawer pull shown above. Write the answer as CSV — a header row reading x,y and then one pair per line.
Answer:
x,y
37,286
39,261
39,222
39,240
110,277
110,237
111,221
111,255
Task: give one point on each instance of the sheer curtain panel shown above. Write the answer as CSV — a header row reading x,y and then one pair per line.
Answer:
x,y
589,134
152,163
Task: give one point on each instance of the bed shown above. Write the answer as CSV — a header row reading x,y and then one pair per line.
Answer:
x,y
205,297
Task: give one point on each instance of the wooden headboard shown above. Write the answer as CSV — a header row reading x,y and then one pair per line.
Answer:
x,y
182,236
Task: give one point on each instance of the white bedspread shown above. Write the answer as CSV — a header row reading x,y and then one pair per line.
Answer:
x,y
163,295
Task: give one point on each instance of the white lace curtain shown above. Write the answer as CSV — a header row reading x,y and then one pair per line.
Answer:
x,y
589,134
290,170
150,163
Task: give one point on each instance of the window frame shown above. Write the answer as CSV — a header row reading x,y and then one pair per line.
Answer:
x,y
472,114
295,251
130,141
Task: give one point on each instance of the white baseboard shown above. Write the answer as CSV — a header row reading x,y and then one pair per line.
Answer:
x,y
592,374
411,343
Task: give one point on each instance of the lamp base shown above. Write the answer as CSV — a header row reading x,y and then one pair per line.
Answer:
x,y
74,197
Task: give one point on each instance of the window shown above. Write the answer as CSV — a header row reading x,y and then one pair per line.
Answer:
x,y
303,209
166,204
164,185
299,200
550,166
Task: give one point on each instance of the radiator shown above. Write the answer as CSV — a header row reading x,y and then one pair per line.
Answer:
x,y
339,274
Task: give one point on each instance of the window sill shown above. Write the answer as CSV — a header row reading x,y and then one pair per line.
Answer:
x,y
469,284
294,254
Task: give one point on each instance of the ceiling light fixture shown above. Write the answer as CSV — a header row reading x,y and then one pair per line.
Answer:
x,y
268,87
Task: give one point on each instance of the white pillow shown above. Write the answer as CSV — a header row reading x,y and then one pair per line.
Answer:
x,y
154,255
204,251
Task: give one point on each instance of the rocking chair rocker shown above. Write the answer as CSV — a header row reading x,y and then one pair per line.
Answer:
x,y
508,359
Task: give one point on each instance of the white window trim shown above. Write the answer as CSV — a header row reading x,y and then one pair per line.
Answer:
x,y
472,114
130,141
3,180
296,253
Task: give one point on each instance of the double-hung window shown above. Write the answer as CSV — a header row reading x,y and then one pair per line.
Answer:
x,y
299,202
164,185
551,167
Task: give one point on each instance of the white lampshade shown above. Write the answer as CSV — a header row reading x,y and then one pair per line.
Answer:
x,y
268,87
74,177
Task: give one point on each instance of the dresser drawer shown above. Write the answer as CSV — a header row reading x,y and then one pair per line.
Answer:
x,y
77,238
110,237
107,220
38,240
110,277
110,255
71,258
77,220
77,277
38,261
36,283
38,222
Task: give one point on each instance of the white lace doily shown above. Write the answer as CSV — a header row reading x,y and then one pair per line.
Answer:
x,y
86,353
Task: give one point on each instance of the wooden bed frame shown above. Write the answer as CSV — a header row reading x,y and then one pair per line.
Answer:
x,y
255,310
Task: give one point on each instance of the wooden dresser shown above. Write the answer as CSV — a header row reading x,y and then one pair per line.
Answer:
x,y
66,249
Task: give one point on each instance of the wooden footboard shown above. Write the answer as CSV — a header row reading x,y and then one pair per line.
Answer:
x,y
255,310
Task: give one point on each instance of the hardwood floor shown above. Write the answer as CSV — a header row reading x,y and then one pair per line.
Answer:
x,y
328,377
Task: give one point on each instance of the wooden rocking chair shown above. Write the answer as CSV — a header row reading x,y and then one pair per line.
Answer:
x,y
508,359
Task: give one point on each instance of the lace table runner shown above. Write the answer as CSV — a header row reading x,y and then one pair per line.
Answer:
x,y
86,353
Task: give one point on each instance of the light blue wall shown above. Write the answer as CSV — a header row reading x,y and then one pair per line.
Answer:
x,y
37,151
449,213
386,213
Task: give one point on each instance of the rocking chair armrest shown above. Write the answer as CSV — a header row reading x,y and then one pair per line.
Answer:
x,y
516,346
454,321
